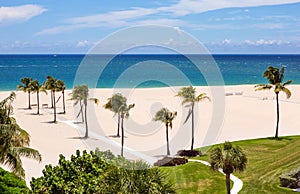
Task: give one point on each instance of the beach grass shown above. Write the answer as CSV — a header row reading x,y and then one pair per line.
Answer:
x,y
268,158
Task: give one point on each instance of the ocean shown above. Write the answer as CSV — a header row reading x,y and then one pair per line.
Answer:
x,y
145,71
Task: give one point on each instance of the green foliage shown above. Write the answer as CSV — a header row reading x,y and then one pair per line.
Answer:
x,y
10,183
100,172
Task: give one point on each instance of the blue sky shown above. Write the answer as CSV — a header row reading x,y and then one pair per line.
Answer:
x,y
70,26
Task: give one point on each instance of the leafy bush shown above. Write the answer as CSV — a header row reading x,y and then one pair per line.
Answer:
x,y
290,179
10,183
101,172
189,153
171,161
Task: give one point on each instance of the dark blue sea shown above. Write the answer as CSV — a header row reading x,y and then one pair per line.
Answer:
x,y
145,70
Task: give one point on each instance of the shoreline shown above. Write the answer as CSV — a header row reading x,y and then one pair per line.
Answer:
x,y
247,115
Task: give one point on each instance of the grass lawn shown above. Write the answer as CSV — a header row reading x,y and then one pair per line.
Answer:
x,y
267,160
195,177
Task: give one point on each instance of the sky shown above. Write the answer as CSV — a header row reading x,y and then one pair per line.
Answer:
x,y
223,26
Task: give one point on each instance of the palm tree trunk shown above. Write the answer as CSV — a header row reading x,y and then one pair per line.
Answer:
x,y
86,124
64,106
38,102
82,119
228,183
122,141
54,107
167,137
192,146
118,132
277,124
29,105
51,99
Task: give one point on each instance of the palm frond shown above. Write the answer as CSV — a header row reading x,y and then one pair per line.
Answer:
x,y
287,92
26,152
288,82
260,87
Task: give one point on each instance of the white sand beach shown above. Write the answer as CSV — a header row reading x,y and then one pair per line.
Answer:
x,y
235,114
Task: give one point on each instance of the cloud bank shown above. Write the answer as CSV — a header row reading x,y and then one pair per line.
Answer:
x,y
20,13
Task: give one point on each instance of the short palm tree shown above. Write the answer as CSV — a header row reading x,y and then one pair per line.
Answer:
x,y
35,87
60,87
51,84
167,117
25,88
189,97
230,158
80,94
124,113
14,140
275,78
113,104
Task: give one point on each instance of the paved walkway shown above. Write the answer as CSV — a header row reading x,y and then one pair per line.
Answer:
x,y
237,183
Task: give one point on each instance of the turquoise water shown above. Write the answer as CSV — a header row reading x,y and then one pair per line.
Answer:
x,y
166,71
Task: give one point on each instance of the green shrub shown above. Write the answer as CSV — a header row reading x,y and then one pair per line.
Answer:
x,y
10,183
101,172
290,179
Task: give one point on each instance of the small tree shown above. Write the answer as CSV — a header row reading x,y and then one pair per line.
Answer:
x,y
35,87
167,117
81,94
189,97
228,157
60,87
275,78
25,87
113,104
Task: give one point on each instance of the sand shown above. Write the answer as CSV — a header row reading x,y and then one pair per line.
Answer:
x,y
234,113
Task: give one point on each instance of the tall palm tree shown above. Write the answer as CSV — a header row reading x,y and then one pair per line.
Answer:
x,y
275,78
81,94
189,97
49,84
167,117
35,87
230,158
113,104
124,113
25,88
60,87
14,140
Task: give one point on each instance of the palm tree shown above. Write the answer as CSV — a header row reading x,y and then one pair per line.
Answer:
x,y
124,113
49,84
61,86
113,104
81,94
275,78
189,97
167,117
25,88
230,158
35,87
14,140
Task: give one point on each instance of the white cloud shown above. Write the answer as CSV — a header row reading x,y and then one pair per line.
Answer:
x,y
185,7
226,41
261,42
20,13
84,43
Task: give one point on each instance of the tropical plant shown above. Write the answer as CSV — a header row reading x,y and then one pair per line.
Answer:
x,y
167,117
60,87
25,87
14,140
51,84
275,78
124,113
80,94
228,157
189,97
113,104
10,183
101,172
35,87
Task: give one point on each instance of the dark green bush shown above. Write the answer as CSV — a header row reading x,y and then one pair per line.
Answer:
x,y
171,161
10,183
101,172
290,179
